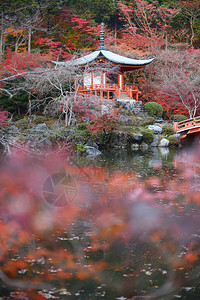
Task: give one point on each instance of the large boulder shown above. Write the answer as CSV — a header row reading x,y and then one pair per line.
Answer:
x,y
92,152
119,140
155,128
42,144
163,143
137,137
40,128
92,144
155,141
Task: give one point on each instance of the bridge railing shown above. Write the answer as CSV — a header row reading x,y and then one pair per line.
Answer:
x,y
189,123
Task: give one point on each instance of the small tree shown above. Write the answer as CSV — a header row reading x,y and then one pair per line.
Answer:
x,y
154,109
177,77
3,118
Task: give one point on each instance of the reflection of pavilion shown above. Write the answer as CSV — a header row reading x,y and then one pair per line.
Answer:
x,y
106,83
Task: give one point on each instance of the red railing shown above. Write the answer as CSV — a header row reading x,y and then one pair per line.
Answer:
x,y
128,90
187,124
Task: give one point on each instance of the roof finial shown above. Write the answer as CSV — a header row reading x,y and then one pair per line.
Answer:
x,y
102,36
102,47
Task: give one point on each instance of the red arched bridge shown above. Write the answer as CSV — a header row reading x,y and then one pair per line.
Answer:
x,y
188,127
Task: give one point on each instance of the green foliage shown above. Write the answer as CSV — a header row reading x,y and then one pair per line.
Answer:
x,y
168,130
81,136
172,141
40,119
179,118
81,148
154,109
17,105
147,136
82,126
22,123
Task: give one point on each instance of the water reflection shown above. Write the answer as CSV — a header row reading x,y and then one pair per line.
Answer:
x,y
145,163
130,232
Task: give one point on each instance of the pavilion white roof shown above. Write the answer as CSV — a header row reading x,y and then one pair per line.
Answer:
x,y
108,55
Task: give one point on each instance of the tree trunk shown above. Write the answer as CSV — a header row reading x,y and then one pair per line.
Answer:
x,y
115,27
29,105
18,110
192,32
1,44
166,41
1,37
16,45
29,39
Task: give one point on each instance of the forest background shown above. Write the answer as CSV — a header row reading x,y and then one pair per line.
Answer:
x,y
35,32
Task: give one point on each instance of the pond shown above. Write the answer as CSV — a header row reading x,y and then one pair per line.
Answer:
x,y
122,226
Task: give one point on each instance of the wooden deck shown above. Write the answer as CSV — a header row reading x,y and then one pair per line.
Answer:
x,y
188,127
108,91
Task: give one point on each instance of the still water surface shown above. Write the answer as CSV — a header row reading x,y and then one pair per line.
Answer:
x,y
136,234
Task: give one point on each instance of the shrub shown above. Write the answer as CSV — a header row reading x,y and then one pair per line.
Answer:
x,y
22,123
147,136
82,148
148,121
172,141
40,119
82,125
168,130
103,123
179,118
81,136
154,109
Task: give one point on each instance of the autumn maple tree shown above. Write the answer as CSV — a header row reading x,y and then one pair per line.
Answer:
x,y
3,118
178,79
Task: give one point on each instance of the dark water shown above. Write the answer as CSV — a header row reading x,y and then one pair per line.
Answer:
x,y
138,231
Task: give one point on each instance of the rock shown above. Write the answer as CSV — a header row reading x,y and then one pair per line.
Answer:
x,y
163,143
39,128
178,138
126,121
92,152
155,128
135,147
118,140
44,144
137,137
155,141
68,134
13,129
144,146
105,109
92,144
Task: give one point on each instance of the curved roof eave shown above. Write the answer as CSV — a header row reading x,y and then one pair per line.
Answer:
x,y
108,55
